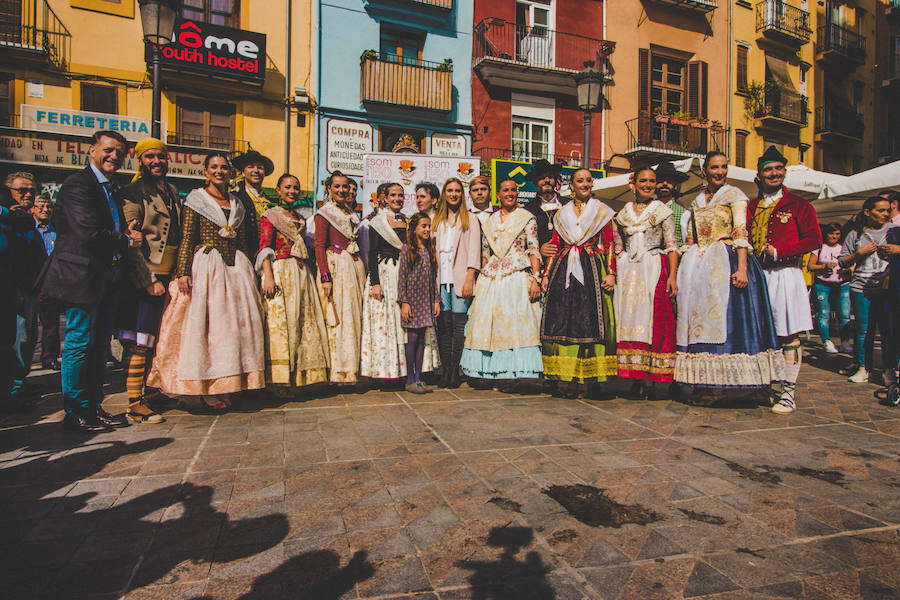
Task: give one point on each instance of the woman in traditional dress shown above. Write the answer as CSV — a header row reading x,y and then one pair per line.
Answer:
x,y
296,341
341,278
646,265
457,238
211,340
578,331
725,333
383,336
503,341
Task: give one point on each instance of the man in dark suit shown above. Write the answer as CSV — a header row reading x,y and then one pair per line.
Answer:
x,y
84,274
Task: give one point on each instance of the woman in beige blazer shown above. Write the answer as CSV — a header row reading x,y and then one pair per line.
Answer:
x,y
457,237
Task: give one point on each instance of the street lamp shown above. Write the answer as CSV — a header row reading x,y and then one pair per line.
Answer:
x,y
589,84
158,20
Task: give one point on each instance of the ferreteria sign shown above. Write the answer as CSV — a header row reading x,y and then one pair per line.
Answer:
x,y
82,122
215,50
67,154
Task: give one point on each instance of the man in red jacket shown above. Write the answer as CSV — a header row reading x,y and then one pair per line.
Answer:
x,y
784,227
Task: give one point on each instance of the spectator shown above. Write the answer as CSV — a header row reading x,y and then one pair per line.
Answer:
x,y
830,288
84,274
427,195
48,311
22,188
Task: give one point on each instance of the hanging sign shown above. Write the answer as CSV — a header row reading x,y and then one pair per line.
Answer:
x,y
216,50
82,122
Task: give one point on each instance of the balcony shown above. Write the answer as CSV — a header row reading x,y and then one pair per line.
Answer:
x,y
650,139
695,6
784,110
783,23
892,11
386,79
569,160
838,125
892,75
205,142
840,47
533,58
31,32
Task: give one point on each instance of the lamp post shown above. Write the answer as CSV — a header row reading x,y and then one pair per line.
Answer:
x,y
589,84
158,20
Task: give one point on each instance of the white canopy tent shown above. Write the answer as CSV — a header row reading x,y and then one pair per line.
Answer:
x,y
802,180
868,183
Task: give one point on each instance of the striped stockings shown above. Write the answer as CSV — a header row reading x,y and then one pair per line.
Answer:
x,y
137,367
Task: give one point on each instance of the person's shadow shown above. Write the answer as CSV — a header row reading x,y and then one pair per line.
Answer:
x,y
508,578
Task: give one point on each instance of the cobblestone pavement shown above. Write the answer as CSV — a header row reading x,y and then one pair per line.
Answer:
x,y
469,494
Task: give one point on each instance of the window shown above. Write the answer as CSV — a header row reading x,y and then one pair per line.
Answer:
x,y
666,85
402,47
534,20
858,87
217,12
11,22
99,98
740,148
803,150
6,97
205,124
530,139
743,53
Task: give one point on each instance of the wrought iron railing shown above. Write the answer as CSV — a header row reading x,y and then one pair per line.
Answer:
x,y
700,6
448,4
572,160
207,142
835,38
787,105
843,121
390,79
32,26
536,46
648,134
782,18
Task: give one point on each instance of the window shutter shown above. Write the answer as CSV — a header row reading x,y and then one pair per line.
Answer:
x,y
740,149
696,88
742,58
644,79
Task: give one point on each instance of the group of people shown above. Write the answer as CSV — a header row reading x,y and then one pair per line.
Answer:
x,y
230,290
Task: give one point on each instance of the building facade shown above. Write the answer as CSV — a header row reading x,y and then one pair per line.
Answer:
x,y
223,82
845,86
392,77
670,92
524,60
774,80
887,81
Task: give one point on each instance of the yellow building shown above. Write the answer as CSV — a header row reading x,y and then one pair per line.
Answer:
x,y
68,67
774,90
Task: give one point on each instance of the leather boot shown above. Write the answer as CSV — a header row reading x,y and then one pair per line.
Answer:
x,y
444,334
459,339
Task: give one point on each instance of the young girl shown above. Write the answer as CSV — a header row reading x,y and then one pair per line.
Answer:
x,y
457,241
868,292
829,286
417,293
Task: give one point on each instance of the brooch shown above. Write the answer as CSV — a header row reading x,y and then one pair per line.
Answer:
x,y
227,231
784,217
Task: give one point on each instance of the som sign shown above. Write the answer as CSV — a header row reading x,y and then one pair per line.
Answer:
x,y
213,49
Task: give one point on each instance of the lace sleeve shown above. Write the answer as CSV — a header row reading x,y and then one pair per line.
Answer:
x,y
670,242
739,224
532,244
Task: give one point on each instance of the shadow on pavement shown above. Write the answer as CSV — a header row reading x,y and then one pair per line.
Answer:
x,y
509,578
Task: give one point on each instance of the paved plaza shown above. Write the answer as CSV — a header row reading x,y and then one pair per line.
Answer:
x,y
458,495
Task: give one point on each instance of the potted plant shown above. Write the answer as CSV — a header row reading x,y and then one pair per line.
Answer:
x,y
446,66
716,125
680,118
368,55
754,101
660,115
700,123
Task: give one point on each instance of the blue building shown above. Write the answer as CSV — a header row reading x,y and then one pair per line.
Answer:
x,y
391,75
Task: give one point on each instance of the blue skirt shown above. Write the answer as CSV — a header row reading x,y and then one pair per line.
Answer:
x,y
515,363
751,355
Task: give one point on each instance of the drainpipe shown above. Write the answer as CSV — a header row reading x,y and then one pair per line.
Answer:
x,y
287,88
603,96
315,82
730,96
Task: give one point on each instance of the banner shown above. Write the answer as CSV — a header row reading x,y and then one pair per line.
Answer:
x,y
518,171
66,154
411,169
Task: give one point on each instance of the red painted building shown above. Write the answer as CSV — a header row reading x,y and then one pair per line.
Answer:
x,y
524,60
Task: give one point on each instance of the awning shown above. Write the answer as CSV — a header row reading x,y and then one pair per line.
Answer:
x,y
779,70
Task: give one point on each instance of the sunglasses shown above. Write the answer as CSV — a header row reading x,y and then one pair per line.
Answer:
x,y
25,190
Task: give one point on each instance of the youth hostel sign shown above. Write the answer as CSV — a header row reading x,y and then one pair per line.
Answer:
x,y
216,50
46,152
82,122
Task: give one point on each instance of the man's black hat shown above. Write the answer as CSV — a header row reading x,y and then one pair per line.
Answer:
x,y
542,167
242,160
666,170
769,156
